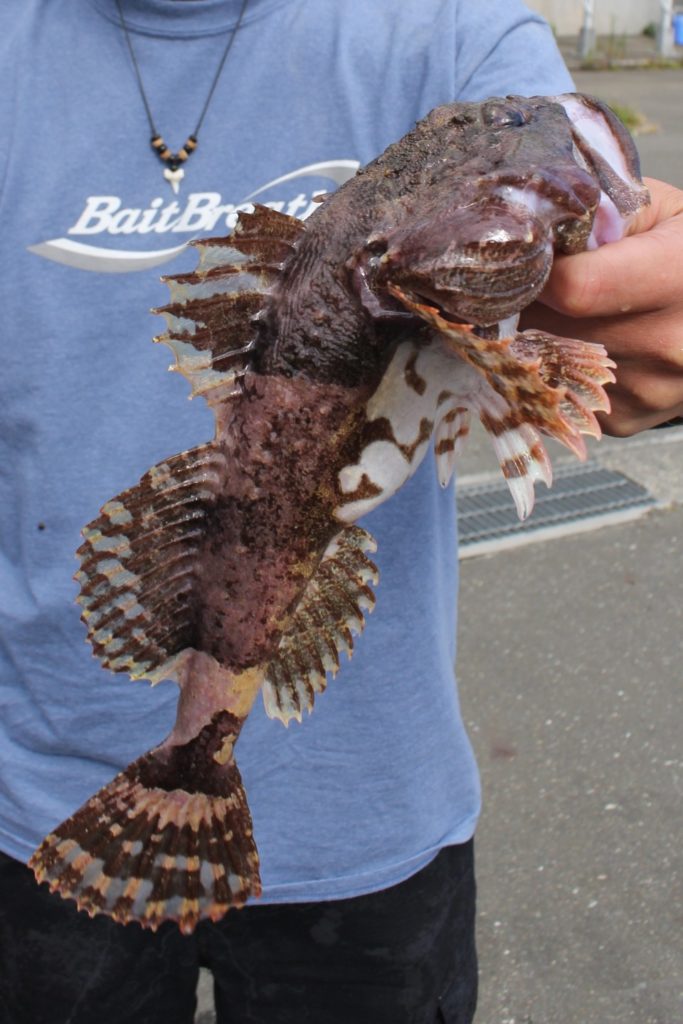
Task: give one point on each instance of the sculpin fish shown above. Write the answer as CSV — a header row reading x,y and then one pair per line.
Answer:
x,y
334,354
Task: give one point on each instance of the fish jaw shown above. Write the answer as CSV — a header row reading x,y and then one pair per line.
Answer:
x,y
480,263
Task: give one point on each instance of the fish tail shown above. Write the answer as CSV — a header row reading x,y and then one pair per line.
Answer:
x,y
170,838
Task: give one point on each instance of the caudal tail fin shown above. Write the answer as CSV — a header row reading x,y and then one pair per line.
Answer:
x,y
170,838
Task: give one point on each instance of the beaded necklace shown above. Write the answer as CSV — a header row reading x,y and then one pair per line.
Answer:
x,y
173,172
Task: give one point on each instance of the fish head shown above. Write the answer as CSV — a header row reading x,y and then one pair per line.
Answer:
x,y
512,181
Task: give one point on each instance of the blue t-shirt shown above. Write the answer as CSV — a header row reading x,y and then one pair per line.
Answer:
x,y
382,776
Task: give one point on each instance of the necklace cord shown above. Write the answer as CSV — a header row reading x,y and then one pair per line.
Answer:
x,y
158,144
136,69
231,40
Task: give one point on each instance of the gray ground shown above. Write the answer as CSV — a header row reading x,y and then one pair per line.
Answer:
x,y
570,666
658,96
571,672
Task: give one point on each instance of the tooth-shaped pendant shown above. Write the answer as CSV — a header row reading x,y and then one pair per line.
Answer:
x,y
174,176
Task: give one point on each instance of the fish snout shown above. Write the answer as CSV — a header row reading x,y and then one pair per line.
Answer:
x,y
479,263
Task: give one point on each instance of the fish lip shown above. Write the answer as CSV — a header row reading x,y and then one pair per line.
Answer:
x,y
477,283
478,310
569,190
567,204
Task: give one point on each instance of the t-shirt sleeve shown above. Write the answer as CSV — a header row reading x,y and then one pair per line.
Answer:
x,y
502,47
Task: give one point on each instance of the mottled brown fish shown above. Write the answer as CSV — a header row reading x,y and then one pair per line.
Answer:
x,y
331,353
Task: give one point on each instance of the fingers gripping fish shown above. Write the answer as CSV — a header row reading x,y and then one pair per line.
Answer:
x,y
333,355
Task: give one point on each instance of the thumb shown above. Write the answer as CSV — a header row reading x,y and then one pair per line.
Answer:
x,y
638,273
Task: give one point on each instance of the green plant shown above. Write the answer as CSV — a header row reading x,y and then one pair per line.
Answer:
x,y
627,115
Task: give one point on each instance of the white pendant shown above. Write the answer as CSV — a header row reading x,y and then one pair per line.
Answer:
x,y
174,177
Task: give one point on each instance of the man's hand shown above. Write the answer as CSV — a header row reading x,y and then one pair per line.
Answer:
x,y
629,296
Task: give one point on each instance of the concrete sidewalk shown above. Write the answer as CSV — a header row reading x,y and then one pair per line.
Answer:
x,y
617,51
571,675
658,96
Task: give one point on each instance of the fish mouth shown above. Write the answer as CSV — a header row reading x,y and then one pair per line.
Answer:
x,y
482,264
485,291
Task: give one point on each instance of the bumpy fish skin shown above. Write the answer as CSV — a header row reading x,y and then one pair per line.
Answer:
x,y
332,354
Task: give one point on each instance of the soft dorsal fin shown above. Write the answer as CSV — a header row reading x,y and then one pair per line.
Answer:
x,y
138,561
328,614
211,317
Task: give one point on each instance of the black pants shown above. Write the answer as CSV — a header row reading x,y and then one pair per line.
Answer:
x,y
405,955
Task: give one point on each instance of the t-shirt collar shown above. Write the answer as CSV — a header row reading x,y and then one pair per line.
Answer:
x,y
187,18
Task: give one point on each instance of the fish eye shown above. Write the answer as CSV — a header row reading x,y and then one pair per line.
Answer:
x,y
376,245
504,117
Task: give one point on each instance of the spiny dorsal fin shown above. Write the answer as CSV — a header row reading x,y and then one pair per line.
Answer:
x,y
329,613
211,318
138,564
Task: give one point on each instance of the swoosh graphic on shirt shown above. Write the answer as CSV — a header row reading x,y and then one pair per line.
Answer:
x,y
338,170
122,261
94,257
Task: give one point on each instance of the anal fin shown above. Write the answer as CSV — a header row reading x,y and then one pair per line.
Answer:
x,y
330,611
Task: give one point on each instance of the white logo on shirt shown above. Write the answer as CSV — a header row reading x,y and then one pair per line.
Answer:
x,y
198,213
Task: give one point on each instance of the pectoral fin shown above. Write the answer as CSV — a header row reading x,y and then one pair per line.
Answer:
x,y
536,384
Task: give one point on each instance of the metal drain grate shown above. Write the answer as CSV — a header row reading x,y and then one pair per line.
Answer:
x,y
581,497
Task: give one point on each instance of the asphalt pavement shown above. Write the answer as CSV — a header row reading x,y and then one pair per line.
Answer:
x,y
571,675
658,96
570,655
